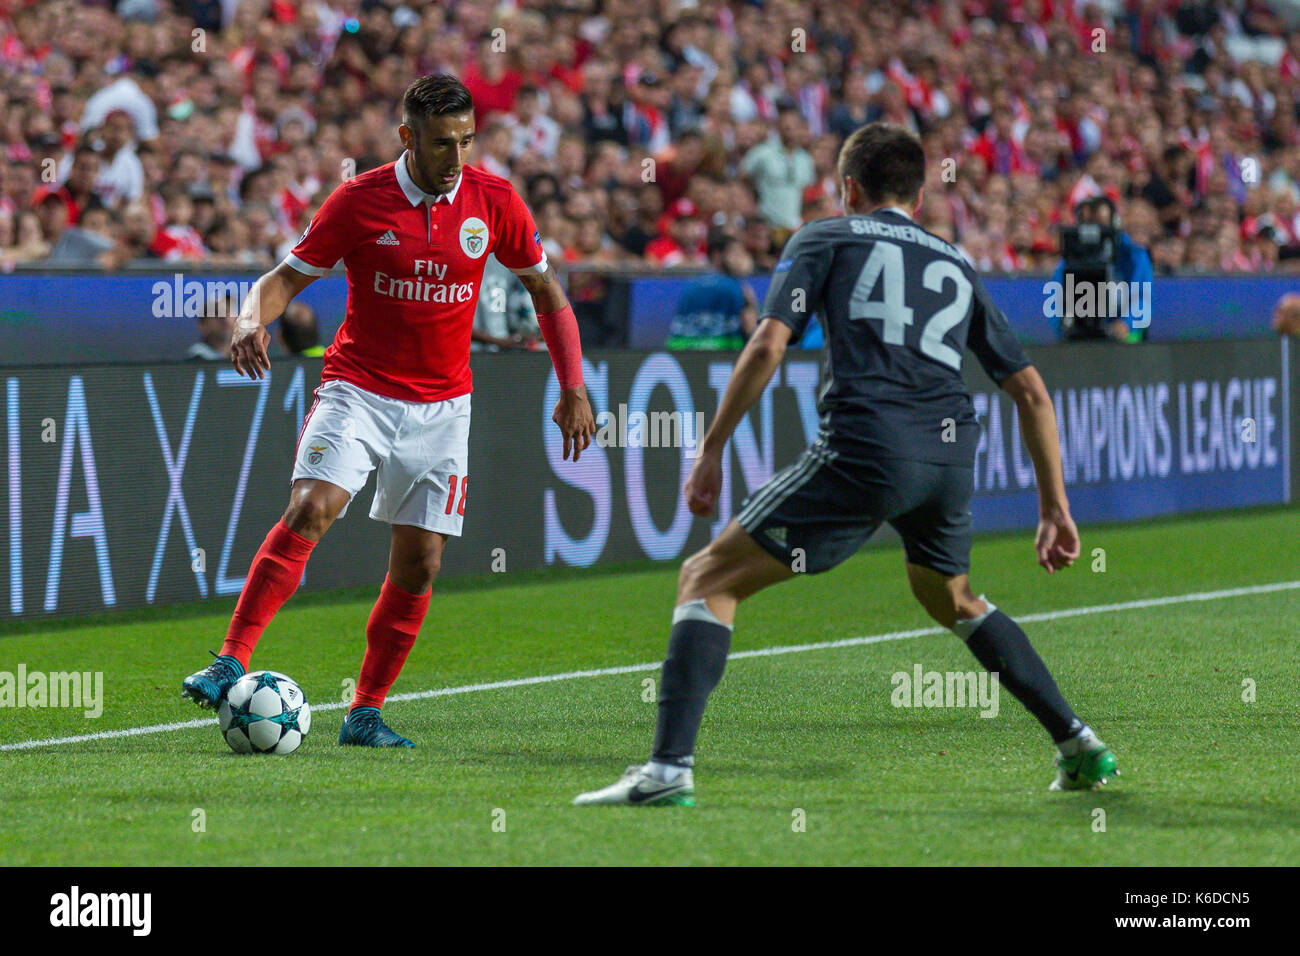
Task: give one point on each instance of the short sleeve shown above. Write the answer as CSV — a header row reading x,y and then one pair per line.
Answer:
x,y
329,236
799,279
991,338
519,244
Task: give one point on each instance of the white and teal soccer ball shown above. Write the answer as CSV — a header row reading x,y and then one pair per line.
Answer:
x,y
264,713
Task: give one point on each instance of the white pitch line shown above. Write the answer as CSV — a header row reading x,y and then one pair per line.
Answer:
x,y
737,655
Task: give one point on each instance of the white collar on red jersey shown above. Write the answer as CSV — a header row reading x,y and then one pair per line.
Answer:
x,y
415,194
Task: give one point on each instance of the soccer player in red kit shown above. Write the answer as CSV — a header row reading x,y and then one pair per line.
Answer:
x,y
395,390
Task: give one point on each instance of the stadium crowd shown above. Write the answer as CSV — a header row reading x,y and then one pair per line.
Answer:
x,y
643,132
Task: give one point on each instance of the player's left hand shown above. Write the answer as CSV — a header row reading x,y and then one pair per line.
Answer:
x,y
704,484
248,350
577,424
1057,542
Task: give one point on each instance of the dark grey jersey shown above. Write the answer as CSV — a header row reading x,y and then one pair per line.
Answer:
x,y
898,307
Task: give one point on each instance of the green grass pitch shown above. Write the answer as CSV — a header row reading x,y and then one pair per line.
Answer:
x,y
808,737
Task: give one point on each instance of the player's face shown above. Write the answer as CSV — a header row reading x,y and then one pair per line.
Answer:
x,y
439,148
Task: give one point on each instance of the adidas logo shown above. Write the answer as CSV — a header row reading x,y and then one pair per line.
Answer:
x,y
388,239
777,535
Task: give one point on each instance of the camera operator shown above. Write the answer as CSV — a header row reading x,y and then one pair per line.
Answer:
x,y
1096,252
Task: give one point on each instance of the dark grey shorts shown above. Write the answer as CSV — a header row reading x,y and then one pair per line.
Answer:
x,y
817,512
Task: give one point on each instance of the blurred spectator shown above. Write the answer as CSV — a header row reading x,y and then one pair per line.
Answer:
x,y
505,317
87,244
637,220
717,311
1286,319
531,129
1193,111
136,236
780,168
298,331
491,80
78,189
178,240
682,241
121,175
52,215
216,325
1131,266
21,240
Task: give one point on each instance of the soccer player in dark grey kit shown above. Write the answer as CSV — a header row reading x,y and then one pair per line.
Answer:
x,y
897,444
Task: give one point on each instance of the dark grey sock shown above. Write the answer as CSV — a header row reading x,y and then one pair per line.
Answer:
x,y
1002,647
697,656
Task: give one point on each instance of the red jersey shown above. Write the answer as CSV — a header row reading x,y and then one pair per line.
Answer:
x,y
177,244
415,263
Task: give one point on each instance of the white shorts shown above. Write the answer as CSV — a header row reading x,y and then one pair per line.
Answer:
x,y
420,448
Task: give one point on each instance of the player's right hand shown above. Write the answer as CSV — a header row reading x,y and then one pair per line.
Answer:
x,y
248,351
1057,542
704,484
573,416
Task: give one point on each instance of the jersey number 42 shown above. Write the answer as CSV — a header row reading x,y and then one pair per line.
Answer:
x,y
885,264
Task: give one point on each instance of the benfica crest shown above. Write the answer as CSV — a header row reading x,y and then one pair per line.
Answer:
x,y
473,237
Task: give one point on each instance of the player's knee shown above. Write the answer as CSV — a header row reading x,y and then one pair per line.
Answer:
x,y
943,606
693,577
308,515
429,565
967,607
942,610
689,573
417,572
935,602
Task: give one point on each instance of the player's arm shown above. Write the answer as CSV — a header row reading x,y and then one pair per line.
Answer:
x,y
795,290
560,330
329,236
758,360
1057,541
749,313
265,303
998,351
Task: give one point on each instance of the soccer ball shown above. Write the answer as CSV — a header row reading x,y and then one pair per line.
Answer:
x,y
264,713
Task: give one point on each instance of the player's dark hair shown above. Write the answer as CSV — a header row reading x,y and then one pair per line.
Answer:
x,y
886,160
439,94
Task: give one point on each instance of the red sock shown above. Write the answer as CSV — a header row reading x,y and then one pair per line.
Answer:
x,y
272,578
390,634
